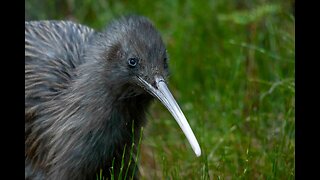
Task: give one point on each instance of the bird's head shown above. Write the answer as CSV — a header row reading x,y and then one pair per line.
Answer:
x,y
132,52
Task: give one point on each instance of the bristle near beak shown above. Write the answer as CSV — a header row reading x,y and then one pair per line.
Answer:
x,y
161,92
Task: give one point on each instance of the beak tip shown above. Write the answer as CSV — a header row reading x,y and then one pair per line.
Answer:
x,y
198,152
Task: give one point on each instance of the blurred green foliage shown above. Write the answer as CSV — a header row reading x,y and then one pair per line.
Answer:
x,y
233,73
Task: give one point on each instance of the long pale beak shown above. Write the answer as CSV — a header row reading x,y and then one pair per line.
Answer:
x,y
162,92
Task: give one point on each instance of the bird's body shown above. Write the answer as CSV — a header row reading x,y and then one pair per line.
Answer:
x,y
83,93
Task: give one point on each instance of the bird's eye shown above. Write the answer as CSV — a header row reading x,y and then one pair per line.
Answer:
x,y
132,62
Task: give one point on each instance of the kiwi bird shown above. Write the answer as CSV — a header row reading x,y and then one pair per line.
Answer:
x,y
86,89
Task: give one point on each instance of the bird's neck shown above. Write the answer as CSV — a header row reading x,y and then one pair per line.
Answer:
x,y
106,104
96,122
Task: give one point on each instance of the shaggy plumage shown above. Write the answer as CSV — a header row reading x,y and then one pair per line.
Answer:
x,y
80,95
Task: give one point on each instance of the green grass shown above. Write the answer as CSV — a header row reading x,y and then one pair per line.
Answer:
x,y
233,74
132,157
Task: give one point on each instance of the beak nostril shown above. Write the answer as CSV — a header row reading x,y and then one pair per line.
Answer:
x,y
154,84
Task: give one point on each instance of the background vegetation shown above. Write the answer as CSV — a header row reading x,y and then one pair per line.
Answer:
x,y
233,73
